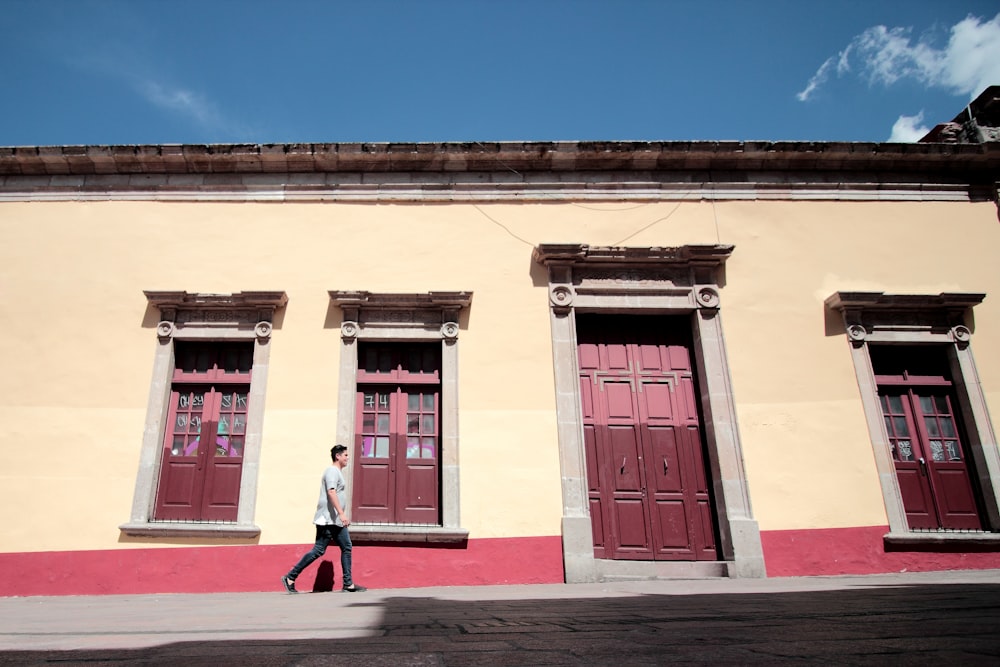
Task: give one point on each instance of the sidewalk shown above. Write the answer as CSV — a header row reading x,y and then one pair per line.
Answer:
x,y
917,618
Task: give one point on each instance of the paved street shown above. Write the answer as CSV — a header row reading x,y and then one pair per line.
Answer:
x,y
907,619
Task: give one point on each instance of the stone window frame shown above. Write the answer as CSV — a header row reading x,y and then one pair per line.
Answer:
x,y
204,317
410,318
681,280
945,320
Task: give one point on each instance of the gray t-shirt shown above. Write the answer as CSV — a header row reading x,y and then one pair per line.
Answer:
x,y
326,513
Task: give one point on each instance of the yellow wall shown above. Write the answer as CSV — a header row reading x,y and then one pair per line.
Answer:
x,y
808,451
78,342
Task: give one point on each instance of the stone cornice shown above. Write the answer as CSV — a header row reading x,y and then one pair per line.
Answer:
x,y
180,300
880,301
585,255
497,172
732,156
401,301
877,313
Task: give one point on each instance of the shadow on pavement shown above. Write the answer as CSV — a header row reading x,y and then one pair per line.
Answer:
x,y
909,625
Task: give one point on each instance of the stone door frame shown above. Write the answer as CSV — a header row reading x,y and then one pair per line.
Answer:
x,y
648,281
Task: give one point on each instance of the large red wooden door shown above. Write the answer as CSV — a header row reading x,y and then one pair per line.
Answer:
x,y
648,489
397,442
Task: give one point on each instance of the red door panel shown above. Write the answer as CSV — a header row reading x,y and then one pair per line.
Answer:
x,y
665,478
418,495
222,484
916,497
618,401
179,494
687,407
672,521
589,357
649,358
593,469
176,495
675,473
708,550
632,532
679,357
630,518
944,453
417,455
587,399
373,498
598,509
958,504
598,521
624,449
374,492
657,401
223,457
696,483
617,356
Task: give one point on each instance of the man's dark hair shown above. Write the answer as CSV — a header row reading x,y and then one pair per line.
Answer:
x,y
337,449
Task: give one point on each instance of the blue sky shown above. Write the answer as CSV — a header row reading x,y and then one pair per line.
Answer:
x,y
251,71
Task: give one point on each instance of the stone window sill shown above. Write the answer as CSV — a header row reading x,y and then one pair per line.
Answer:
x,y
192,529
402,533
942,541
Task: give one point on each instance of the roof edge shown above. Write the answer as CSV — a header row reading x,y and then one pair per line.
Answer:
x,y
492,157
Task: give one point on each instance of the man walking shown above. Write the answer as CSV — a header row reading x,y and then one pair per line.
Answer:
x,y
331,523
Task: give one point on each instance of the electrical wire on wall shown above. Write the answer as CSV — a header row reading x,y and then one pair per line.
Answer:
x,y
658,220
715,215
594,208
501,225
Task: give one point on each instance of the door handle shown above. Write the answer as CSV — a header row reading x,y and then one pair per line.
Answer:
x,y
666,468
623,466
923,466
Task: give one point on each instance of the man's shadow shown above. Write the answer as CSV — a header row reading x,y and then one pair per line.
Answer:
x,y
324,578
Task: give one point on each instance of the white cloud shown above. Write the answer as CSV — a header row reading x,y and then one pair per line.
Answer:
x,y
972,59
817,80
909,129
126,64
966,65
182,101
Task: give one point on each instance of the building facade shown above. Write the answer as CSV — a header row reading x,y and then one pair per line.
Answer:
x,y
551,362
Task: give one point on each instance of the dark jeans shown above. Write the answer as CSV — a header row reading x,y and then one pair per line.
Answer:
x,y
325,535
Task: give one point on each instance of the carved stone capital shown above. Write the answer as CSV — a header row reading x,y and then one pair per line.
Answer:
x,y
263,330
349,330
561,298
962,335
857,332
449,330
165,330
708,297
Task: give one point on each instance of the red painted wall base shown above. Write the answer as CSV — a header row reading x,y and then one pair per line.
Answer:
x,y
832,551
527,560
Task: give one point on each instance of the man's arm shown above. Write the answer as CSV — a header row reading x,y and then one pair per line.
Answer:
x,y
335,501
